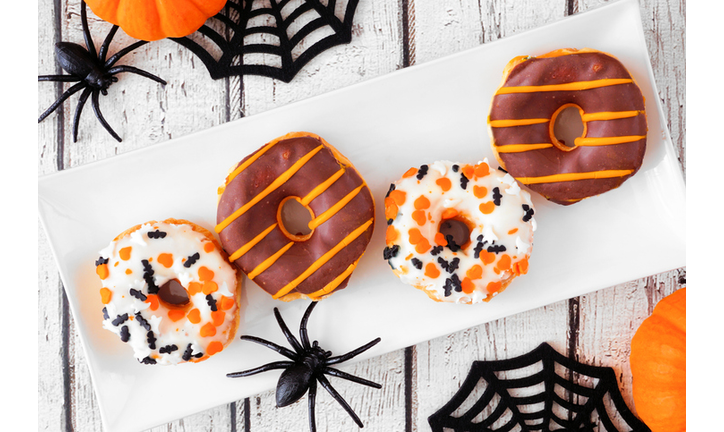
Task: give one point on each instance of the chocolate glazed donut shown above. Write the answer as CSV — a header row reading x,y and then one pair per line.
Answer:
x,y
524,110
300,166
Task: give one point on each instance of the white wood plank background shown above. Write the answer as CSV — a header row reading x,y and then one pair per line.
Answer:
x,y
387,35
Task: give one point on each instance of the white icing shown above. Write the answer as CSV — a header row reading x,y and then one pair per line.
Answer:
x,y
439,167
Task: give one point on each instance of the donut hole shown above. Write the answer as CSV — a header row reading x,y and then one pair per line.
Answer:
x,y
173,295
293,218
457,232
567,125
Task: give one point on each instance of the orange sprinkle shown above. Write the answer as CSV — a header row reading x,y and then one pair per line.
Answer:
x,y
106,295
391,209
153,300
475,272
165,259
419,217
205,274
480,191
129,271
481,170
102,271
422,203
423,246
487,208
209,287
195,288
513,231
468,286
217,317
431,271
391,235
409,173
520,267
486,257
214,347
469,171
398,197
207,330
496,270
176,314
449,213
194,316
504,262
494,287
125,253
444,183
116,264
226,303
209,247
440,239
415,235
408,257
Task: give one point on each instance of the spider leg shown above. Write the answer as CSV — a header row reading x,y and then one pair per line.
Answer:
x,y
78,109
86,31
339,374
132,69
311,398
117,56
353,353
68,93
97,109
58,78
327,386
287,333
266,367
303,326
271,345
107,43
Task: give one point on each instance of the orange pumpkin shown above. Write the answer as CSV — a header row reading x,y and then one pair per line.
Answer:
x,y
658,365
153,19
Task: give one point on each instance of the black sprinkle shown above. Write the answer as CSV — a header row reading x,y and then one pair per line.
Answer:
x,y
478,249
142,321
389,221
480,238
148,277
192,260
503,170
449,266
496,196
156,234
436,250
120,319
454,264
125,334
138,294
422,172
417,263
528,212
198,355
455,168
496,248
451,243
187,354
105,313
463,181
151,338
148,360
453,282
212,303
392,187
390,252
101,260
168,349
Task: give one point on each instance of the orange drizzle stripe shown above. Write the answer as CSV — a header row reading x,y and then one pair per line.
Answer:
x,y
323,259
517,148
271,188
249,161
572,86
269,261
339,205
602,141
517,122
320,188
609,115
574,176
244,249
335,283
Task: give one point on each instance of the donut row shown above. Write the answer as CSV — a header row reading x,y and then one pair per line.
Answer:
x,y
459,232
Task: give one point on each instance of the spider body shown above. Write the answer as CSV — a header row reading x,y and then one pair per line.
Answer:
x,y
92,73
309,363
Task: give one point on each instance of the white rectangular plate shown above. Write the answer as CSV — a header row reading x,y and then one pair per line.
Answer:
x,y
384,126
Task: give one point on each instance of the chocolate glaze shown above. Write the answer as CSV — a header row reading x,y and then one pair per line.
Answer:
x,y
254,179
548,161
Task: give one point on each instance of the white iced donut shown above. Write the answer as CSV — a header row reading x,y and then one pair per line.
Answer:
x,y
460,233
169,292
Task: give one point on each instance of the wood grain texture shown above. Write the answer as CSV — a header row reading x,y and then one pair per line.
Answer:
x,y
596,328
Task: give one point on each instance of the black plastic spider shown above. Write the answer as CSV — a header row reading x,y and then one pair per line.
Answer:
x,y
309,364
94,72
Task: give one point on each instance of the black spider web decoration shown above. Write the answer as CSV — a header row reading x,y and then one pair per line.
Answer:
x,y
537,401
290,32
